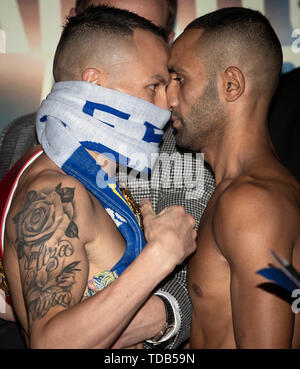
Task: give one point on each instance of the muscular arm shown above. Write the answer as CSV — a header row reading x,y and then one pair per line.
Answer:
x,y
151,317
54,268
248,222
147,322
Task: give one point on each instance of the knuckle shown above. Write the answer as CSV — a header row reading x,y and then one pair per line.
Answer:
x,y
179,209
191,220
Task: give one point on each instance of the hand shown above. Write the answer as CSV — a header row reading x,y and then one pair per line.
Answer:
x,y
172,229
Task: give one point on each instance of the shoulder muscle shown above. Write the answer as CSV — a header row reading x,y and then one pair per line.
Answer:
x,y
249,221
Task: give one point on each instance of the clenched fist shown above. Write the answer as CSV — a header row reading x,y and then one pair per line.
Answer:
x,y
171,232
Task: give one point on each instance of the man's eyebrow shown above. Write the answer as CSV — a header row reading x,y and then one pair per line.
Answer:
x,y
160,78
175,70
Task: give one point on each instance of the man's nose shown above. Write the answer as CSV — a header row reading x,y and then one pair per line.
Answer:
x,y
172,94
161,99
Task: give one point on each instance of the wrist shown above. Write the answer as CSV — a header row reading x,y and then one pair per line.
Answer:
x,y
159,258
158,318
168,325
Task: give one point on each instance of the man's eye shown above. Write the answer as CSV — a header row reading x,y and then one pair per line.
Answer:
x,y
153,87
179,80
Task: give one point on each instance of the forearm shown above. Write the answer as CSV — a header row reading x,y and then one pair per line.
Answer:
x,y
147,323
170,239
109,310
150,319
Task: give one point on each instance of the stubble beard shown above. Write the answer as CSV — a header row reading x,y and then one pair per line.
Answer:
x,y
204,123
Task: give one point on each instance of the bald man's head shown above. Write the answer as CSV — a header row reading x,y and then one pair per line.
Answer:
x,y
97,37
243,38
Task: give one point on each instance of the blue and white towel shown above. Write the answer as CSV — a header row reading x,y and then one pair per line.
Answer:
x,y
77,116
81,114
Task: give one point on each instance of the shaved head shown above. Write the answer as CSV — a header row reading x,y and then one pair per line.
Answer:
x,y
224,67
100,37
75,55
243,38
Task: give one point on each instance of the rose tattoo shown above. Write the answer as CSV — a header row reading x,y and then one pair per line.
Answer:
x,y
45,216
43,228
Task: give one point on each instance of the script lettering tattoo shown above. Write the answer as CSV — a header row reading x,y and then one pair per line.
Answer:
x,y
45,227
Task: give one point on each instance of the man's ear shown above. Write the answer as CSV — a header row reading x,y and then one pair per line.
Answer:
x,y
92,75
233,84
72,13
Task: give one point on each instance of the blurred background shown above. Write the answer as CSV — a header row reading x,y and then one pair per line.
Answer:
x,y
30,31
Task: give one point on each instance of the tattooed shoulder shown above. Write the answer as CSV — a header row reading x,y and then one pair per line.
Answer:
x,y
45,231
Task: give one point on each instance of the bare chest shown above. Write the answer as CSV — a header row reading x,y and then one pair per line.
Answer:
x,y
208,271
209,289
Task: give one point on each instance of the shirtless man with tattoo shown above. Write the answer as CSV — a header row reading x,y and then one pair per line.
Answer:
x,y
58,235
225,68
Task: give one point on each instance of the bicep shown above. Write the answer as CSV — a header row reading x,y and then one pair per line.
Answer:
x,y
261,318
245,235
52,259
53,279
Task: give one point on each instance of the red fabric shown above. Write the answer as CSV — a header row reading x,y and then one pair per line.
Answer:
x,y
6,187
7,184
